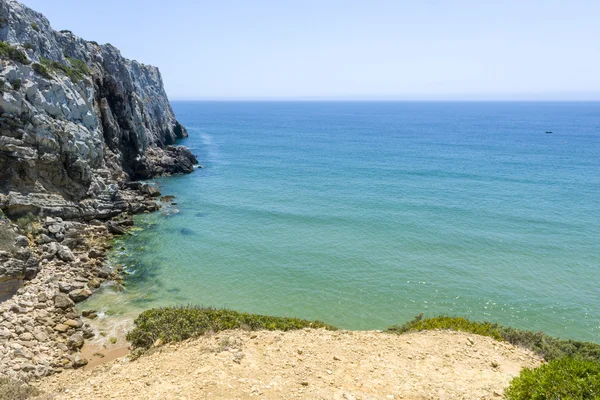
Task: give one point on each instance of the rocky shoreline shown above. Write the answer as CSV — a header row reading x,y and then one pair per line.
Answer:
x,y
62,262
80,125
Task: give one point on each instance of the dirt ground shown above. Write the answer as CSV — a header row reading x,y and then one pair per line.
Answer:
x,y
308,364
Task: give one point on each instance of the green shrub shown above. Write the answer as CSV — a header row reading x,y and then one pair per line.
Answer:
x,y
14,390
75,71
180,323
28,46
564,379
16,84
35,27
546,346
8,51
452,323
2,85
42,70
27,222
66,31
79,66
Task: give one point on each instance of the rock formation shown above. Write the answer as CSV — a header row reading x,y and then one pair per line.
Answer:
x,y
76,117
79,124
77,120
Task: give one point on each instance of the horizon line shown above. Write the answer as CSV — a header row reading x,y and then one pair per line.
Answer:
x,y
376,100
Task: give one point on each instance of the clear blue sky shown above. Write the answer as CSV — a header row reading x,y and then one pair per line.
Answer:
x,y
346,49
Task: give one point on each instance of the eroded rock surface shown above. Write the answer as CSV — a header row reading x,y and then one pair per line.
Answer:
x,y
76,118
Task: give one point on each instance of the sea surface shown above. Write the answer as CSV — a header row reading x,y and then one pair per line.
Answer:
x,y
365,214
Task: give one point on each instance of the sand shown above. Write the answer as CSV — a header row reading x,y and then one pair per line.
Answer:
x,y
307,364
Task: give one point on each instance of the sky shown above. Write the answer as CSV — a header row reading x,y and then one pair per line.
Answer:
x,y
351,50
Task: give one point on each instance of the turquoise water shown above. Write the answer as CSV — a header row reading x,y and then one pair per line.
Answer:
x,y
366,214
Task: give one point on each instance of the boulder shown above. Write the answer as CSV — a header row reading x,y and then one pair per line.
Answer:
x,y
75,341
79,295
63,301
65,254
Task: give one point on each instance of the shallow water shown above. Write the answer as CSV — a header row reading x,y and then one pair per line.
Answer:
x,y
366,214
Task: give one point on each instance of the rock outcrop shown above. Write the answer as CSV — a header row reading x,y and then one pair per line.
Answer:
x,y
79,124
76,117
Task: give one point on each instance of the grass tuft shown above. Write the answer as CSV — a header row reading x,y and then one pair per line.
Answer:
x,y
548,347
565,378
76,70
41,70
10,52
180,323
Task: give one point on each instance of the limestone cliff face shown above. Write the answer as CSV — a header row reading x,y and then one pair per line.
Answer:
x,y
76,118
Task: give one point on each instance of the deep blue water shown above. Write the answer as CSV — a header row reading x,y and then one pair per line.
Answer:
x,y
366,214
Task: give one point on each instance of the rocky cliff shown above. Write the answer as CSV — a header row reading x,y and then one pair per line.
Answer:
x,y
76,119
78,123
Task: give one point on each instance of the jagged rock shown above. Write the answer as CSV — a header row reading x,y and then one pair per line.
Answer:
x,y
69,286
75,341
56,228
96,253
65,254
63,301
94,283
70,146
21,241
79,295
79,137
151,191
79,361
43,239
115,228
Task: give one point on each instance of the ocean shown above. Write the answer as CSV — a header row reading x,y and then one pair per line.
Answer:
x,y
365,214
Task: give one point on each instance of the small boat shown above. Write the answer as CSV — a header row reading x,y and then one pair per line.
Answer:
x,y
549,132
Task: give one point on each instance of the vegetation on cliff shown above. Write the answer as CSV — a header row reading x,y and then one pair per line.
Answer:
x,y
573,371
12,53
564,378
181,323
546,346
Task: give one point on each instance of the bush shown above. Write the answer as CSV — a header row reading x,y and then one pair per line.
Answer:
x,y
16,84
27,222
42,70
179,323
35,27
452,323
546,346
565,379
76,71
8,51
14,390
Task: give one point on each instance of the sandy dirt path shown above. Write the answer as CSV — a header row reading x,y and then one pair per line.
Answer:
x,y
308,364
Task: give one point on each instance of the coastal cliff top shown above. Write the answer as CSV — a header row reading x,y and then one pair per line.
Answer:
x,y
307,364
